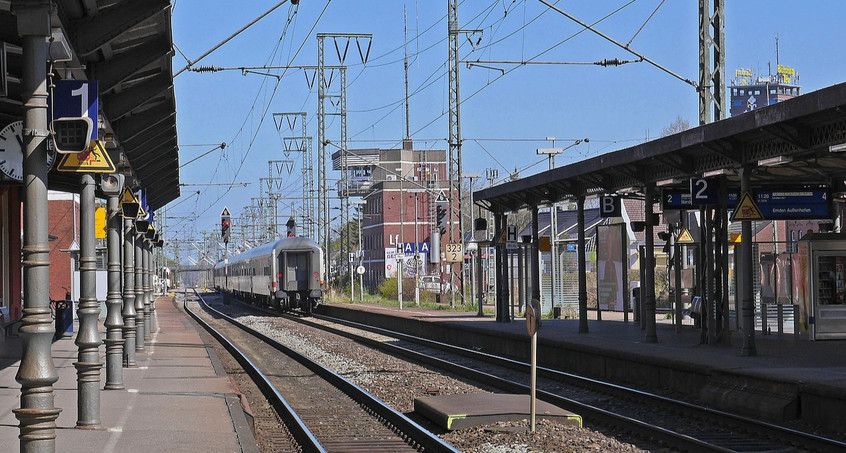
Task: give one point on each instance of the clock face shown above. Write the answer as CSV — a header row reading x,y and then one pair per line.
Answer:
x,y
11,151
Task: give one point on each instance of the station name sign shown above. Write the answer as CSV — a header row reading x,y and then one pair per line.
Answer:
x,y
774,204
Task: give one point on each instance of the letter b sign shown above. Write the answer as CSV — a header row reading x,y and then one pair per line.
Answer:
x,y
609,206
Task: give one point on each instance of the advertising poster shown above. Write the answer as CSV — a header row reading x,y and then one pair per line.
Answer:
x,y
390,262
611,289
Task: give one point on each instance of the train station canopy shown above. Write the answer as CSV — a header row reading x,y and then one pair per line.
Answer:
x,y
798,142
126,46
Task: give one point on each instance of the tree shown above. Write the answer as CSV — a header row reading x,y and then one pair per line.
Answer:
x,y
680,124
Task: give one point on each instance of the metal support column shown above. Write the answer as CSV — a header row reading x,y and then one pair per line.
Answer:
x,y
747,297
36,374
114,322
88,340
139,292
583,321
648,296
504,293
148,293
677,264
535,258
129,312
498,304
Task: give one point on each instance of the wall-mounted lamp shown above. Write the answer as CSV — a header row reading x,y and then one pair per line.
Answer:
x,y
720,172
773,161
669,182
837,148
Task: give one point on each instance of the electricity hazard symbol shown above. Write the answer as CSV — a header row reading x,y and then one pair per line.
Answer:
x,y
93,160
746,209
685,237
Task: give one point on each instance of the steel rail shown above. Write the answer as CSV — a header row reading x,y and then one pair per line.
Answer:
x,y
805,440
428,441
307,441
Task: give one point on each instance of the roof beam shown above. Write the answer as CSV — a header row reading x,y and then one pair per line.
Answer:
x,y
110,73
134,147
800,138
118,105
129,127
92,33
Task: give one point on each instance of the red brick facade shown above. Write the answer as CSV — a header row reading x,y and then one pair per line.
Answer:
x,y
63,210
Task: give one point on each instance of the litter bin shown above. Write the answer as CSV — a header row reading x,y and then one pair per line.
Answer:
x,y
64,319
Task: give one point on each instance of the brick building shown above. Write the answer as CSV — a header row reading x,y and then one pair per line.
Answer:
x,y
399,188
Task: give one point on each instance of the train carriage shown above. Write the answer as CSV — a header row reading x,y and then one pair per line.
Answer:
x,y
284,274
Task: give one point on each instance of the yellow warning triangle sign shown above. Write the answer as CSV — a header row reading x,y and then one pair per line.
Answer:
x,y
93,160
746,209
128,196
685,237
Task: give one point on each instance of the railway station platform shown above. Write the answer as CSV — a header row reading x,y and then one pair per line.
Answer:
x,y
178,398
788,379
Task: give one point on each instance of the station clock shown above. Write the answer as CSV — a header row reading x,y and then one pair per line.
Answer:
x,y
12,150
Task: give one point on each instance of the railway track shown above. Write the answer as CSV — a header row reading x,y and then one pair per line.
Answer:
x,y
322,410
676,424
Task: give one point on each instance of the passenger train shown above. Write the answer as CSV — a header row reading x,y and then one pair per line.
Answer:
x,y
286,274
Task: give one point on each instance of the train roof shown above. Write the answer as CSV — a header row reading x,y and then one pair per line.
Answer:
x,y
264,249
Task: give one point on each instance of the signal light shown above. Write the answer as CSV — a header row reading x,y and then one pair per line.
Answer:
x,y
225,229
441,218
72,135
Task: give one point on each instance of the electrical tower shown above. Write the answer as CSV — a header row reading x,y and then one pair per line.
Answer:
x,y
300,142
456,168
712,61
339,101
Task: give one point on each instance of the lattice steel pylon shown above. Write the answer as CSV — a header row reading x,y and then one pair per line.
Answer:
x,y
712,61
300,142
455,164
323,217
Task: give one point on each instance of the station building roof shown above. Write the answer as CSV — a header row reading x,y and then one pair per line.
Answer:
x,y
126,45
801,130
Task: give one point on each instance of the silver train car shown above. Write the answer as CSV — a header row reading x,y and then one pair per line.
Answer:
x,y
286,274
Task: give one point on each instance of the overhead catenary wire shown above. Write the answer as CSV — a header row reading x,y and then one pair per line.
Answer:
x,y
233,35
305,39
622,46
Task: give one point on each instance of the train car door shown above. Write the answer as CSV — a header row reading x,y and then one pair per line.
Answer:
x,y
296,271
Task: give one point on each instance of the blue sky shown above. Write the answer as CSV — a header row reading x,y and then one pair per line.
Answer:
x,y
504,118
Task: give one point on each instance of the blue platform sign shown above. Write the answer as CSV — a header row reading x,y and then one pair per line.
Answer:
x,y
76,98
794,204
141,195
408,248
778,204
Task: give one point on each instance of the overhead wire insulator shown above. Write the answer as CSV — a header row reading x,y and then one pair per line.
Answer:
x,y
206,69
